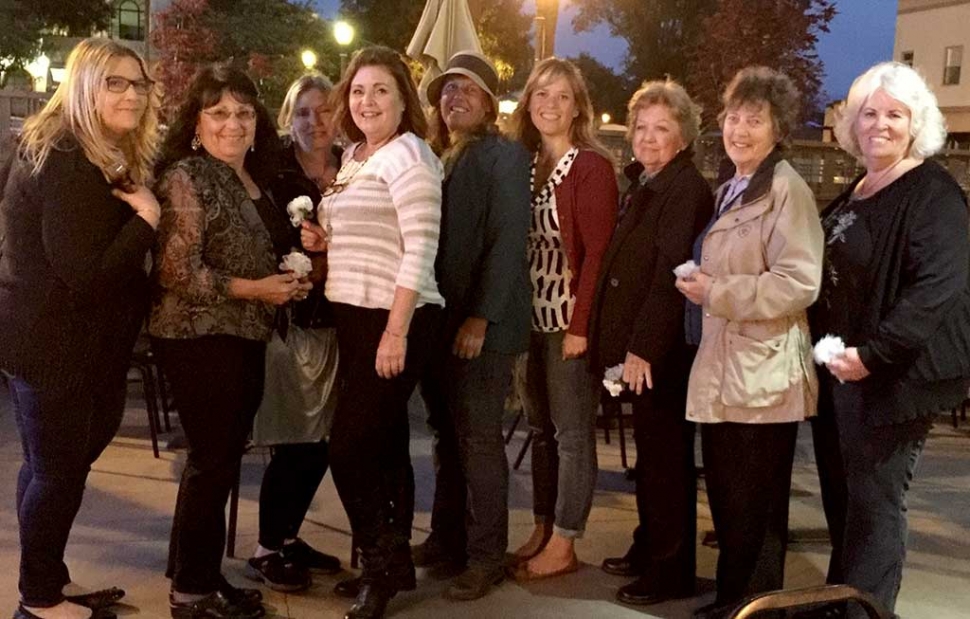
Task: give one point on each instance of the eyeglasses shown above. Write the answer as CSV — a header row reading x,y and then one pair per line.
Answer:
x,y
221,116
119,84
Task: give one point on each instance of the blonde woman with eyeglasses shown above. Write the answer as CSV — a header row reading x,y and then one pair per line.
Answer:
x,y
76,224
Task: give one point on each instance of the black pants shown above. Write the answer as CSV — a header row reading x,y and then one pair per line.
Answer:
x,y
466,402
370,439
865,473
217,381
748,471
63,432
665,540
289,484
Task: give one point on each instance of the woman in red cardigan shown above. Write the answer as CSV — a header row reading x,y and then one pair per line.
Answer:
x,y
574,200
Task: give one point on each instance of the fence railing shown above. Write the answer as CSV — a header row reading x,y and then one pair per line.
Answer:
x,y
16,105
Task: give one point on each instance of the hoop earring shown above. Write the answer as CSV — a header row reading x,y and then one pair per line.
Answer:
x,y
196,142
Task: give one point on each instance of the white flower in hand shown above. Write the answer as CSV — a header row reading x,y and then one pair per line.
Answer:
x,y
613,380
297,263
686,270
299,209
828,349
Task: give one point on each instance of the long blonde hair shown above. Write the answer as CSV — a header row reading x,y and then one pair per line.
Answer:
x,y
581,133
72,112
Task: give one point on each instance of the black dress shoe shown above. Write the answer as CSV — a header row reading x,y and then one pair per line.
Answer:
x,y
371,601
240,595
215,606
100,613
645,590
95,600
622,566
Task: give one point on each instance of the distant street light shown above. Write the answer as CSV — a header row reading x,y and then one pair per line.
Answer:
x,y
309,58
606,118
343,33
507,106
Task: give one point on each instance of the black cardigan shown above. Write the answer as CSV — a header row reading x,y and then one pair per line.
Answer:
x,y
73,287
914,332
637,308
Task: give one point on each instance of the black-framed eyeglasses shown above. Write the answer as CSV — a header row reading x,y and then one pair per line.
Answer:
x,y
119,84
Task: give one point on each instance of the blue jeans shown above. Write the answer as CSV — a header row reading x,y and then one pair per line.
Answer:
x,y
561,401
63,433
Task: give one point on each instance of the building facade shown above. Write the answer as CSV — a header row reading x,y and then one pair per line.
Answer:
x,y
933,36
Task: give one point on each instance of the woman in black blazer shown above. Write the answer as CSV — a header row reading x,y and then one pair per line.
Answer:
x,y
638,320
76,224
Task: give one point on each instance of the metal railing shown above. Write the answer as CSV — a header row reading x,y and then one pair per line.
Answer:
x,y
16,105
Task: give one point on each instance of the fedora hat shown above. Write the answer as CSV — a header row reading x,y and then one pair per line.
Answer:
x,y
472,65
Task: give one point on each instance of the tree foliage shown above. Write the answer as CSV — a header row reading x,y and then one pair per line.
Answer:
x,y
262,37
24,22
610,92
658,33
503,29
780,34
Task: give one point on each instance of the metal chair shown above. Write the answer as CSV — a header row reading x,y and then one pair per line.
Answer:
x,y
809,598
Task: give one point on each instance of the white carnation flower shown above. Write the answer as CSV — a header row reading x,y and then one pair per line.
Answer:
x,y
297,263
686,270
613,380
299,210
828,348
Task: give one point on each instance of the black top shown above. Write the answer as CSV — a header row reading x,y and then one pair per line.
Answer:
x,y
637,308
292,182
481,264
73,285
896,285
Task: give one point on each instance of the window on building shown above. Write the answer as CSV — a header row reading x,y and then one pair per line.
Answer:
x,y
951,69
906,58
130,25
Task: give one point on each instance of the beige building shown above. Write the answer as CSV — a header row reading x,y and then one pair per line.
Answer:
x,y
934,37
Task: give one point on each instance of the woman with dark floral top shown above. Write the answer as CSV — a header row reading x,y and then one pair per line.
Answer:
x,y
215,287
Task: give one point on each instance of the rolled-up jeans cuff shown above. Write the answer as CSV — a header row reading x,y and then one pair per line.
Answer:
x,y
567,533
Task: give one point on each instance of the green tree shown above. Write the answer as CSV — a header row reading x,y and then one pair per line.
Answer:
x,y
610,92
262,37
384,22
23,24
659,34
503,30
780,34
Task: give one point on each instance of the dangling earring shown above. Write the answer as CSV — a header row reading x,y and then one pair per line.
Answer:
x,y
252,147
196,142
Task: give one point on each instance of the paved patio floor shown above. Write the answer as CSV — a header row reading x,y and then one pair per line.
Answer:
x,y
120,537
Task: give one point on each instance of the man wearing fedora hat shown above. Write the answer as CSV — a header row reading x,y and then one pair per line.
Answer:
x,y
483,274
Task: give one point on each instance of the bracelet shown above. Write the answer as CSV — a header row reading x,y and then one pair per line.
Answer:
x,y
400,335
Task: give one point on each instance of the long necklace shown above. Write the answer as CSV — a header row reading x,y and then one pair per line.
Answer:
x,y
871,186
344,177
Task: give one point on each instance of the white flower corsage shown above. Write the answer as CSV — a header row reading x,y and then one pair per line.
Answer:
x,y
686,270
613,380
299,210
828,348
297,263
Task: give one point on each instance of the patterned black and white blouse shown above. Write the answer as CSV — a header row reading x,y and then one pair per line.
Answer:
x,y
552,303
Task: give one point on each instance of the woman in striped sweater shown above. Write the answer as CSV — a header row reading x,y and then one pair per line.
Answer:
x,y
379,224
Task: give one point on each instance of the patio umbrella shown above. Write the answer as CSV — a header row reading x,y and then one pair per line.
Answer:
x,y
446,27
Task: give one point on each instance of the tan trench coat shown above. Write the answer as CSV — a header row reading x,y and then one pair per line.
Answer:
x,y
754,364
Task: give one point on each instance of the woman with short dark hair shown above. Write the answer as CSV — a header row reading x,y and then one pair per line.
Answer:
x,y
759,268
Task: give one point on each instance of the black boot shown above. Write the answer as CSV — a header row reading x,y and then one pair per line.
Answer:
x,y
376,587
400,576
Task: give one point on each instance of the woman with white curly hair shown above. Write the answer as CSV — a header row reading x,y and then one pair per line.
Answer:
x,y
895,289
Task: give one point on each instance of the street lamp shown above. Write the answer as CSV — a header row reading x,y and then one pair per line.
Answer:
x,y
343,33
309,58
606,118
